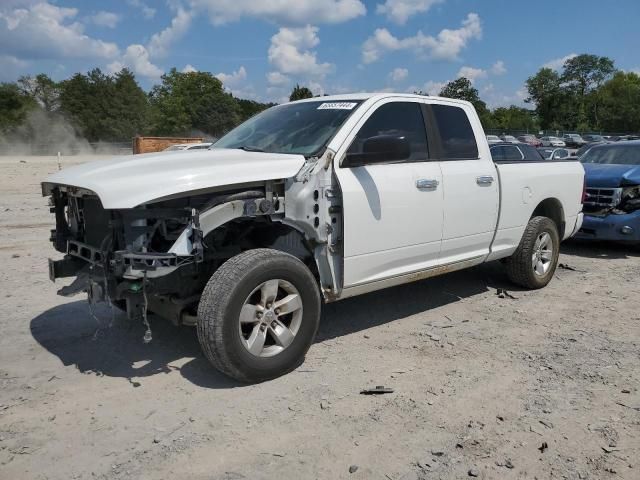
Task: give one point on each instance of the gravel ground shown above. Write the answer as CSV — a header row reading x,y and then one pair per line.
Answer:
x,y
541,385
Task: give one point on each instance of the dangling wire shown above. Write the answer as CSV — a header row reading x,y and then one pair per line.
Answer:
x,y
147,335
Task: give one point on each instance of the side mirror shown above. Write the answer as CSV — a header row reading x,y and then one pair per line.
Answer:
x,y
380,149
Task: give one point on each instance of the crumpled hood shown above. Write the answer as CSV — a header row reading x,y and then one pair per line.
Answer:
x,y
129,181
611,176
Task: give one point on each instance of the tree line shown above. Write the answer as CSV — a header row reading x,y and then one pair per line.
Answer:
x,y
114,108
587,94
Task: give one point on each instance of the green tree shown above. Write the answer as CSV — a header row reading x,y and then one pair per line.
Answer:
x,y
553,104
14,106
587,72
514,118
42,89
105,107
299,93
582,76
620,103
462,89
130,108
194,101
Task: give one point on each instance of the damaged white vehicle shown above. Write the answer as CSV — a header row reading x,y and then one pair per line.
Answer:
x,y
310,201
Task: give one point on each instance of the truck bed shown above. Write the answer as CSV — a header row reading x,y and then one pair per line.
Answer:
x,y
523,185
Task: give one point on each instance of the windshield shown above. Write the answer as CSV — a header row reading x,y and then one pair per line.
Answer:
x,y
614,155
298,128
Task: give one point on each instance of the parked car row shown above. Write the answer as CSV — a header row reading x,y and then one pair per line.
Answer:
x,y
568,140
612,191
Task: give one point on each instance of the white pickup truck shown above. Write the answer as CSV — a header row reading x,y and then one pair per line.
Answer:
x,y
311,201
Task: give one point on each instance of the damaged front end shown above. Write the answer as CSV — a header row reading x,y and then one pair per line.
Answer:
x,y
612,214
155,257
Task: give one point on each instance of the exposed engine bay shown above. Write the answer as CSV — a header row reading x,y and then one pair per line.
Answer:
x,y
159,256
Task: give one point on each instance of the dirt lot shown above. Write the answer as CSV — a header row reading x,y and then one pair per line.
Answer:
x,y
542,385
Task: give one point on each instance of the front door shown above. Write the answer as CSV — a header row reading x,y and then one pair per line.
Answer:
x,y
392,210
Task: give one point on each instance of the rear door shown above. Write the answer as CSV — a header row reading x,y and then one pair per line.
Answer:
x,y
392,210
470,181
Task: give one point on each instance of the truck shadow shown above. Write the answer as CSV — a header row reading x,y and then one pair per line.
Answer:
x,y
599,249
112,346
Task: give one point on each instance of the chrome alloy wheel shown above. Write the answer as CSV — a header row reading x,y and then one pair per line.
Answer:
x,y
270,318
542,254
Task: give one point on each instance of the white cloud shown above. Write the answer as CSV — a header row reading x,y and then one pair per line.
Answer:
x,y
398,74
290,52
472,74
47,31
232,79
500,98
136,58
188,68
277,79
11,67
282,11
558,63
447,45
498,68
12,62
147,11
433,88
399,11
316,88
161,41
105,19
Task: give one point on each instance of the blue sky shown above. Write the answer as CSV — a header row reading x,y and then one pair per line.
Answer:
x,y
260,49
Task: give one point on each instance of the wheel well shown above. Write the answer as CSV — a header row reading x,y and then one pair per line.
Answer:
x,y
551,208
249,233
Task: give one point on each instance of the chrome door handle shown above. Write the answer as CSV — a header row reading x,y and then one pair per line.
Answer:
x,y
424,183
484,180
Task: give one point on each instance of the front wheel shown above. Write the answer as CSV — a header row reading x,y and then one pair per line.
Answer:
x,y
534,262
258,315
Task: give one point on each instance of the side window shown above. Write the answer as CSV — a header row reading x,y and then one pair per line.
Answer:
x,y
455,139
401,121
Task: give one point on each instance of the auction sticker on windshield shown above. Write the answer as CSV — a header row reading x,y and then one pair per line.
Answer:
x,y
337,106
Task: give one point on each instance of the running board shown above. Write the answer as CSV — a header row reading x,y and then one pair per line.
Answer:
x,y
408,278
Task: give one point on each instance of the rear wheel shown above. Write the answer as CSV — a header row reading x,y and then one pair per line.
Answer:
x,y
534,262
258,315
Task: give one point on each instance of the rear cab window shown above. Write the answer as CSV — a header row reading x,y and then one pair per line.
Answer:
x,y
453,137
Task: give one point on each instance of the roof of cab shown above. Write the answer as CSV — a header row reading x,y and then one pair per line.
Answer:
x,y
375,96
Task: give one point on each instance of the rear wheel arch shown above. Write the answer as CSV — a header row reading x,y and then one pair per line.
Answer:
x,y
552,209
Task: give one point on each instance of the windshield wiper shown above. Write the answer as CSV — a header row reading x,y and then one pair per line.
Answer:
x,y
249,148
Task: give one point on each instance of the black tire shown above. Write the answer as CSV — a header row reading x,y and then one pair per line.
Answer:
x,y
223,298
520,265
